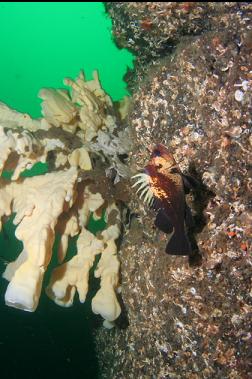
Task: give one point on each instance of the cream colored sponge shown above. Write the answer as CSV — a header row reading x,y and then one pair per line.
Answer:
x,y
37,202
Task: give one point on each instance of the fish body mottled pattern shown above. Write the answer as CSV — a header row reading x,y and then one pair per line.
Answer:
x,y
165,182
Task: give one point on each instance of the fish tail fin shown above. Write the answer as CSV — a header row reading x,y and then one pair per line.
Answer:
x,y
179,243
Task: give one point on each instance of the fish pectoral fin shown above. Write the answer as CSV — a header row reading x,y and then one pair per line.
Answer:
x,y
190,183
163,223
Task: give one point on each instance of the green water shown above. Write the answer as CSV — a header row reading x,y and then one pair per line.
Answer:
x,y
42,43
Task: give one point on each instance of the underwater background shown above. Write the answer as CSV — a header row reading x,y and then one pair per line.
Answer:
x,y
182,317
41,44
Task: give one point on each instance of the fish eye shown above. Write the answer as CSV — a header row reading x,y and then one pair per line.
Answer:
x,y
156,153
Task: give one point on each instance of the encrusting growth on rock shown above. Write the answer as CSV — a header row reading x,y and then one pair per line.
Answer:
x,y
188,319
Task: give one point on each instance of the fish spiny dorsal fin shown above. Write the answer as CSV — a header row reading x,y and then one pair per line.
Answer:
x,y
143,181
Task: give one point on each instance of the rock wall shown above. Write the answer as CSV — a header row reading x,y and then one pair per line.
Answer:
x,y
188,318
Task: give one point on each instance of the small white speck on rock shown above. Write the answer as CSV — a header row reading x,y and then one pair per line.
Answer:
x,y
193,290
239,95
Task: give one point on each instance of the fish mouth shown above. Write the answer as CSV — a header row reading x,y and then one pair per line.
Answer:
x,y
171,166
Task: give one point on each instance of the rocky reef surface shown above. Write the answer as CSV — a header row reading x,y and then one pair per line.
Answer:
x,y
188,318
